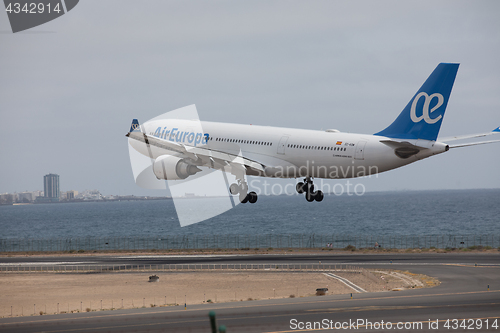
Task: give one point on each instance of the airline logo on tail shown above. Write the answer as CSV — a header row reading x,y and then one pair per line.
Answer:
x,y
428,104
135,126
425,109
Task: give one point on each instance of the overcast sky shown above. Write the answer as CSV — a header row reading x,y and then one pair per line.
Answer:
x,y
70,88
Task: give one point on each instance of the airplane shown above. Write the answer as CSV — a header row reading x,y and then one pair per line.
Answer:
x,y
180,147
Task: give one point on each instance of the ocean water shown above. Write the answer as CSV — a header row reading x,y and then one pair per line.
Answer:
x,y
450,212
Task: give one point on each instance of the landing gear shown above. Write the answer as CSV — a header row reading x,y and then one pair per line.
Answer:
x,y
252,197
307,187
319,196
242,190
234,189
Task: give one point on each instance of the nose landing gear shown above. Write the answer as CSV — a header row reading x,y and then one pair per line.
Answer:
x,y
307,187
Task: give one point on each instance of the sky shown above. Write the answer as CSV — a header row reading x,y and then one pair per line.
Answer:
x,y
70,88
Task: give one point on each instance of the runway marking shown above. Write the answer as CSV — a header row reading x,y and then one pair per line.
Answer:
x,y
229,306
405,278
475,266
67,263
412,264
123,326
239,318
363,326
346,282
395,307
195,256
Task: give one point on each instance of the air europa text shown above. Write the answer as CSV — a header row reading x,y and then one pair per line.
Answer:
x,y
177,135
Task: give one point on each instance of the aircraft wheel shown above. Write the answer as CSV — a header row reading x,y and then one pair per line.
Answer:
x,y
252,197
319,196
308,188
299,187
234,189
310,196
243,197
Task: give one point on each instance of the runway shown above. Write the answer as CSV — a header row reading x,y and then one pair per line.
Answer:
x,y
462,294
348,258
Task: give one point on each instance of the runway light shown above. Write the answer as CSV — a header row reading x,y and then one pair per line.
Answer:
x,y
213,324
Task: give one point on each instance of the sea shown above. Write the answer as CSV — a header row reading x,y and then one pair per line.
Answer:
x,y
443,212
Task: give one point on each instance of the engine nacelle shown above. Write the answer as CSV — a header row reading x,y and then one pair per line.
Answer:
x,y
173,168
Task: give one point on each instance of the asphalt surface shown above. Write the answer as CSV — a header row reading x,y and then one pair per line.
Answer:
x,y
348,258
462,295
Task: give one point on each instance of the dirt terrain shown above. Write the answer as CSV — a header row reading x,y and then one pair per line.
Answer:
x,y
49,293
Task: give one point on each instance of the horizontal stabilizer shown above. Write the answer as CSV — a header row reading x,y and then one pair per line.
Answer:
x,y
419,144
404,149
469,136
474,143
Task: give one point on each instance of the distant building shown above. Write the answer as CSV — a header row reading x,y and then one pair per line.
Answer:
x,y
90,195
70,195
50,188
6,199
26,197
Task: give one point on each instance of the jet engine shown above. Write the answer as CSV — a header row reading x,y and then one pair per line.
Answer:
x,y
173,168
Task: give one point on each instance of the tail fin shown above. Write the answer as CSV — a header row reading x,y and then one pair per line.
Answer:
x,y
422,117
135,126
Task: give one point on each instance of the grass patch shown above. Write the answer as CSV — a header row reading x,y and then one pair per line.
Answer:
x,y
350,248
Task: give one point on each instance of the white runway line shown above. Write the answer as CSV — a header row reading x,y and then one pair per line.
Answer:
x,y
407,279
182,256
68,263
347,283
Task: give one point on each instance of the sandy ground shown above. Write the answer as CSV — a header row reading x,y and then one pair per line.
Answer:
x,y
49,293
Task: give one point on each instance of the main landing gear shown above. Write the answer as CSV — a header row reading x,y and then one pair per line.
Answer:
x,y
307,187
242,190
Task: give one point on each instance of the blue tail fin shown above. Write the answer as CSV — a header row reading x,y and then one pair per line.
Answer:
x,y
135,126
422,117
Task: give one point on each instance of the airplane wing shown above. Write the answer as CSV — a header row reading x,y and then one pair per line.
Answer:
x,y
469,136
202,156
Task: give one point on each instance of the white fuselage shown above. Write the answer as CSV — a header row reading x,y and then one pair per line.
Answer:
x,y
296,152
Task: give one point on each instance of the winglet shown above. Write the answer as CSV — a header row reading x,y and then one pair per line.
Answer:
x,y
135,126
496,129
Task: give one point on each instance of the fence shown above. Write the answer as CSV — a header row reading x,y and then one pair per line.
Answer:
x,y
184,242
181,268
